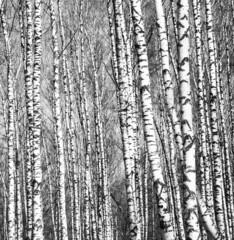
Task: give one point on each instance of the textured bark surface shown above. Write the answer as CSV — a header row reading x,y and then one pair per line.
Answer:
x,y
116,120
59,132
191,211
11,214
169,102
149,133
37,163
217,166
29,109
125,116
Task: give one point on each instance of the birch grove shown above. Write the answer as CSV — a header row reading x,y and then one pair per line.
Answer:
x,y
116,120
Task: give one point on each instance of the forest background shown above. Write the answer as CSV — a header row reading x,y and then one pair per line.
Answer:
x,y
116,119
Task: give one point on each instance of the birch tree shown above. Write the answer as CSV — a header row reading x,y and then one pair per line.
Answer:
x,y
135,102
190,203
146,103
11,227
125,120
169,100
58,128
29,108
218,181
37,171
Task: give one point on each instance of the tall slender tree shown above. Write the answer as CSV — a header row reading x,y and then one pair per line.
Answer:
x,y
58,128
149,133
37,163
29,109
217,166
191,211
125,116
11,214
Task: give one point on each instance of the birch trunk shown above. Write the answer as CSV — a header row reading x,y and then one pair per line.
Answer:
x,y
37,168
126,121
191,211
227,176
11,214
208,192
59,133
48,166
149,133
230,98
218,180
29,109
145,181
169,101
100,143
